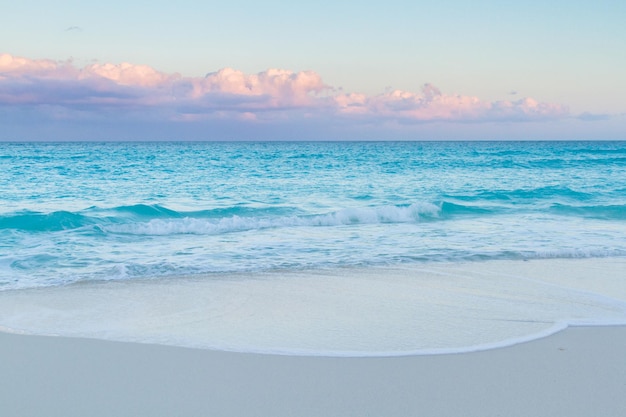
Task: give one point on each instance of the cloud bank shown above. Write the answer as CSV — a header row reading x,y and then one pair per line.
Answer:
x,y
61,90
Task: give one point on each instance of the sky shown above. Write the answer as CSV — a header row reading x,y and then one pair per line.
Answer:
x,y
327,70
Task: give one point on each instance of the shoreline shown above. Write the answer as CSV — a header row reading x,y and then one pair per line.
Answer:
x,y
579,371
447,308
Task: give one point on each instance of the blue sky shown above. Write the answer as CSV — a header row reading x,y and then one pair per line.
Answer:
x,y
482,57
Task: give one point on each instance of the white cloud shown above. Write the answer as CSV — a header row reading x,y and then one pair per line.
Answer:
x,y
275,94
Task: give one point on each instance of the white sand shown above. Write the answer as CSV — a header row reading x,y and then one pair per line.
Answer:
x,y
578,372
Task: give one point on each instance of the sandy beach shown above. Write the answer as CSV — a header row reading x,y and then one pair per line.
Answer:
x,y
578,372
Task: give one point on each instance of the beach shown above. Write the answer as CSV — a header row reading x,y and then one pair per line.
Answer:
x,y
580,371
322,279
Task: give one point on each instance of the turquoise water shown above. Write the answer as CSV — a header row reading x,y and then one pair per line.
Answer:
x,y
93,213
85,211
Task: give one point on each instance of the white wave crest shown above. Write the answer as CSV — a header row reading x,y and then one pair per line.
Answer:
x,y
200,226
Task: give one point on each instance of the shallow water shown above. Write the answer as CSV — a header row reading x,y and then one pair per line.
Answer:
x,y
377,311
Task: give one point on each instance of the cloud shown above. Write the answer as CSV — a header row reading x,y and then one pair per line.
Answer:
x,y
16,66
274,95
431,105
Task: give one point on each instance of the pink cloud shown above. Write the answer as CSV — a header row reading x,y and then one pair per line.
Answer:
x,y
228,93
16,70
12,67
128,74
280,84
432,105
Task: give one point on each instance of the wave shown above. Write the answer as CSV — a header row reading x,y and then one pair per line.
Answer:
x,y
449,209
603,212
159,220
143,212
41,222
220,219
237,223
93,216
145,219
530,194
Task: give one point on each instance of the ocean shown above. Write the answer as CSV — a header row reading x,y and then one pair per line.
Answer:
x,y
317,248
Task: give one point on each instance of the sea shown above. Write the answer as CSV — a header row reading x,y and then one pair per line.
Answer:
x,y
312,248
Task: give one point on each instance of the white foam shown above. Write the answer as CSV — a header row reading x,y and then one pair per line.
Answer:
x,y
340,312
188,225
